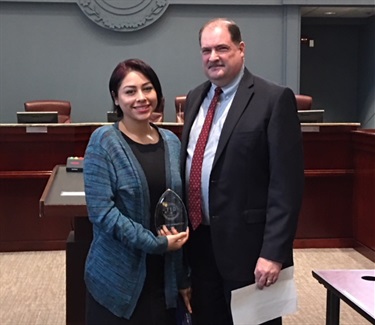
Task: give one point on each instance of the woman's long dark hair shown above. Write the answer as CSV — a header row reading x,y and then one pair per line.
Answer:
x,y
122,70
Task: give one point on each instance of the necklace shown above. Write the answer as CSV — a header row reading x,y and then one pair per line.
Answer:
x,y
140,135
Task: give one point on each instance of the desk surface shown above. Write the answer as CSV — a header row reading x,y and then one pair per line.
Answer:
x,y
97,124
351,287
63,195
162,124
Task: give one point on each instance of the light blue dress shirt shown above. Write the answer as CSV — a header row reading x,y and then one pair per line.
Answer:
x,y
221,113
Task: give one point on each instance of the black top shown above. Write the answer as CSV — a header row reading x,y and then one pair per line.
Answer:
x,y
151,159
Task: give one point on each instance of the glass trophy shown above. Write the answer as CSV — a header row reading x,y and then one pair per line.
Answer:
x,y
171,212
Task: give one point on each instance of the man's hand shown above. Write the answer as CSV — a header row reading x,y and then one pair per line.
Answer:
x,y
266,272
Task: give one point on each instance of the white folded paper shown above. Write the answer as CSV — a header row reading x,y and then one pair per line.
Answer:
x,y
251,306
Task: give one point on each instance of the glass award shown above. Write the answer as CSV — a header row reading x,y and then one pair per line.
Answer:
x,y
171,212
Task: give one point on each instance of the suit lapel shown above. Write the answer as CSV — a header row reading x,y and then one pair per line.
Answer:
x,y
196,98
240,103
196,103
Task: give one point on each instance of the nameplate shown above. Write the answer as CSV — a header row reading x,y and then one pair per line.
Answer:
x,y
310,128
36,129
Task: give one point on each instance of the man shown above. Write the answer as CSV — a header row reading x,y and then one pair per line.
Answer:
x,y
251,181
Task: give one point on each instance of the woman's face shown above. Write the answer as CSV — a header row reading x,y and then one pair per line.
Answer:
x,y
136,97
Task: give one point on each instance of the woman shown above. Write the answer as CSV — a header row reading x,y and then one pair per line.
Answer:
x,y
132,275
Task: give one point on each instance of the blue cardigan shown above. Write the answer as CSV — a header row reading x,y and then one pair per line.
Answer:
x,y
118,205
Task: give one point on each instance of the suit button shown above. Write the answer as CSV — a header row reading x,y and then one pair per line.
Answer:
x,y
214,217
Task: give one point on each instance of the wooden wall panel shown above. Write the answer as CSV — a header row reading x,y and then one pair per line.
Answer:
x,y
21,228
326,208
28,155
326,219
27,159
364,192
329,201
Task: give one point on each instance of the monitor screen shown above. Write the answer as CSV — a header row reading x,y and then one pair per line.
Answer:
x,y
112,116
37,117
311,116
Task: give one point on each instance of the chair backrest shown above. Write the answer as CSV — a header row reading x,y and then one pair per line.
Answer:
x,y
63,108
157,116
179,103
304,102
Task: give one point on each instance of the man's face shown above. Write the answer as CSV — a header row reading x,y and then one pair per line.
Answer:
x,y
222,59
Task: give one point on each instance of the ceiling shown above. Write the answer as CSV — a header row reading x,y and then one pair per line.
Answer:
x,y
338,12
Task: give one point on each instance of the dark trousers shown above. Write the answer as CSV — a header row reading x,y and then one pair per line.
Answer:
x,y
211,294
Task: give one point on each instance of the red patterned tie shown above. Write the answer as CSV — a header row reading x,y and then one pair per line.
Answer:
x,y
195,200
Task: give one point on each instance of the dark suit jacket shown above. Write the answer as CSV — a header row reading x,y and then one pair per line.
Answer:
x,y
256,182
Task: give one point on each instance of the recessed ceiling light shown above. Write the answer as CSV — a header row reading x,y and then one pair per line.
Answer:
x,y
330,13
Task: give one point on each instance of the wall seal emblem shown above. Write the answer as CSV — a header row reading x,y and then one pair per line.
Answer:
x,y
123,16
